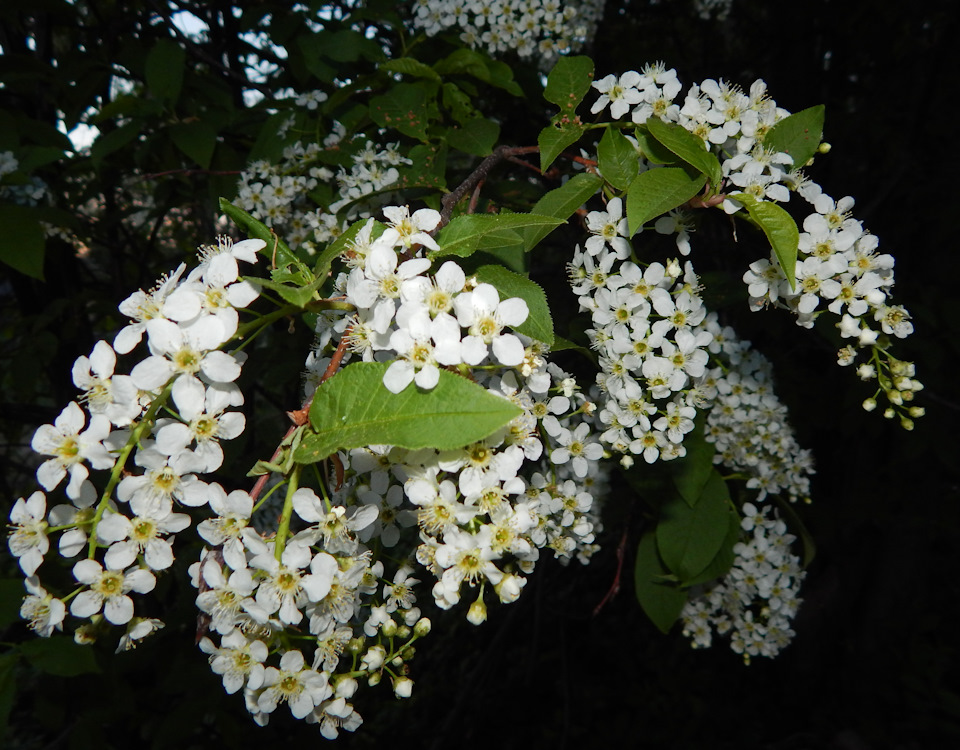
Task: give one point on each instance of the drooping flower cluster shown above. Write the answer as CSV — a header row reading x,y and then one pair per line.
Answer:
x,y
757,600
838,269
126,526
545,28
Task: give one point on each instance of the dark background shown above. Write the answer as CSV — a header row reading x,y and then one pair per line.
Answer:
x,y
874,663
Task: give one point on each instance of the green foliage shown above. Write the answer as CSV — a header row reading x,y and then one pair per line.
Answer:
x,y
466,234
561,203
688,147
656,191
798,135
165,68
780,229
354,409
59,655
659,595
22,243
617,159
690,536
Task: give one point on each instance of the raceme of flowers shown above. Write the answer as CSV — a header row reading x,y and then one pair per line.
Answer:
x,y
838,270
541,28
757,600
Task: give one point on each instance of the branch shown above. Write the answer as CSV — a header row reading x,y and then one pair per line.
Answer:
x,y
477,176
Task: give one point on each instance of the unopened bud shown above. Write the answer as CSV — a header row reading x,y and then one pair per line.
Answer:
x,y
477,613
906,423
917,411
824,148
389,628
355,645
402,687
422,627
869,404
403,631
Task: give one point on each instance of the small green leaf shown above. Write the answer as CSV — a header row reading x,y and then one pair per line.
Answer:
x,y
661,599
691,472
722,562
407,107
554,139
569,82
688,538
477,136
196,139
656,191
259,230
59,655
411,67
781,231
354,409
539,323
688,147
654,151
113,140
164,69
347,46
464,61
295,295
798,135
561,203
617,159
466,234
22,243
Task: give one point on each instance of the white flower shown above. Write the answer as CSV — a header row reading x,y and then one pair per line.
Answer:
x,y
301,687
485,315
44,612
70,448
108,591
620,93
185,349
114,396
28,538
238,660
406,230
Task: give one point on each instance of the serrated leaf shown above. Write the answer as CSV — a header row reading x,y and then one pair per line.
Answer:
x,y
22,243
539,323
660,599
466,234
477,136
690,473
781,230
798,135
554,139
501,76
617,159
354,409
656,191
688,538
259,230
410,66
722,562
688,147
569,82
164,69
59,655
195,139
332,251
561,203
654,151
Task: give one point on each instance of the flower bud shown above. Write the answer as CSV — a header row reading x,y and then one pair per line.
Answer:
x,y
906,423
869,404
402,687
356,645
422,627
374,679
389,628
477,612
917,411
403,631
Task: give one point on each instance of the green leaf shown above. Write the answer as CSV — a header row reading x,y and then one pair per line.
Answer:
x,y
688,147
295,295
113,140
617,159
59,655
354,409
798,135
781,231
569,82
539,323
477,136
471,232
22,243
196,139
688,538
661,599
464,61
722,562
561,203
407,107
257,229
347,46
164,69
654,151
554,139
411,67
656,191
501,76
691,472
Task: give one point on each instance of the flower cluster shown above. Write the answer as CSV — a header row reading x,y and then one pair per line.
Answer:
x,y
126,527
757,600
838,269
545,28
285,195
